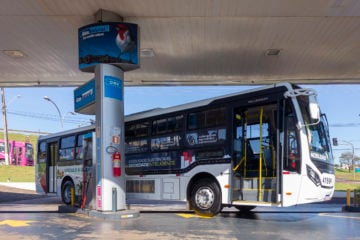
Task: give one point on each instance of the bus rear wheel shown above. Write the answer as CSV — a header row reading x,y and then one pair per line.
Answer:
x,y
66,192
205,198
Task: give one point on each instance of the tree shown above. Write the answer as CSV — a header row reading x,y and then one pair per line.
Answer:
x,y
357,160
346,158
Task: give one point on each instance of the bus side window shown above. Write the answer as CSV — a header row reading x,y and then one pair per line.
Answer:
x,y
88,153
79,147
67,148
238,145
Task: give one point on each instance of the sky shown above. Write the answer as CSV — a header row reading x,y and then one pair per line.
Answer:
x,y
28,110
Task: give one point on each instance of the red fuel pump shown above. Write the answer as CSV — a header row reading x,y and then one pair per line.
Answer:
x,y
116,163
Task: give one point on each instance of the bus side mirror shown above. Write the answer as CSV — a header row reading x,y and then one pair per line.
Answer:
x,y
335,141
314,108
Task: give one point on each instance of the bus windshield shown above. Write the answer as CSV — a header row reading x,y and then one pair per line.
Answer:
x,y
318,138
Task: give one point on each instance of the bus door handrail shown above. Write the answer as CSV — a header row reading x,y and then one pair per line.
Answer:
x,y
239,164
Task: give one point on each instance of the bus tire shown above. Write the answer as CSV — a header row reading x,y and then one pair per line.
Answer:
x,y
66,192
205,198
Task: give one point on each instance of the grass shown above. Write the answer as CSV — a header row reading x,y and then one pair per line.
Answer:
x,y
17,174
345,180
345,174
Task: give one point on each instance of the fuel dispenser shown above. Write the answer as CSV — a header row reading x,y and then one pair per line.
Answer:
x,y
89,182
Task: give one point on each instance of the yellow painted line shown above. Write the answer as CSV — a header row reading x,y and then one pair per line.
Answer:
x,y
17,223
337,216
190,215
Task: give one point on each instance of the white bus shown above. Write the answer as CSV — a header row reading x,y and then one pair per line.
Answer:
x,y
264,147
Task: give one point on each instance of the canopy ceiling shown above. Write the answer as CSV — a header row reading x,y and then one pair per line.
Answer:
x,y
194,42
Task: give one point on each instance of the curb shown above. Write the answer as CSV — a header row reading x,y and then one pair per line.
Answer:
x,y
350,209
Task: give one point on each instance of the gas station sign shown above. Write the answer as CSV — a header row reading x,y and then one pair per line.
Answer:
x,y
84,98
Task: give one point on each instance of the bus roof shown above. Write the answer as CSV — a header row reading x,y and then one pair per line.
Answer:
x,y
160,111
63,133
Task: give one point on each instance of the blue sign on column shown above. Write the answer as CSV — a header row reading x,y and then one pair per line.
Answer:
x,y
84,98
113,87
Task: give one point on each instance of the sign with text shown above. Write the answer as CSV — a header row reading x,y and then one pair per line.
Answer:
x,y
113,87
115,43
84,98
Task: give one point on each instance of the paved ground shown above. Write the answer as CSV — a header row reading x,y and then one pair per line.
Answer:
x,y
27,215
31,216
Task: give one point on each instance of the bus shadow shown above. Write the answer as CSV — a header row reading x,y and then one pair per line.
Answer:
x,y
270,216
15,202
22,196
15,197
239,214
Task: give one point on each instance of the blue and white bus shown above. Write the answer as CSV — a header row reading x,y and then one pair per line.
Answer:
x,y
264,147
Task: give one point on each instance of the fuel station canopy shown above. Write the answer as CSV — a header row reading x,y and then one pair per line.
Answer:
x,y
188,42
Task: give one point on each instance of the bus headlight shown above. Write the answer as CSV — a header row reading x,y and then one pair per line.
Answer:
x,y
313,175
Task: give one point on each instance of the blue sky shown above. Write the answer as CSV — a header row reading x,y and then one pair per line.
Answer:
x,y
31,112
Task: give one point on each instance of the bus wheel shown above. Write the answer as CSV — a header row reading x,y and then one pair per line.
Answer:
x,y
66,192
206,198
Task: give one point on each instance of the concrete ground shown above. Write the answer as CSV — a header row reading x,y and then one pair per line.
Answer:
x,y
27,215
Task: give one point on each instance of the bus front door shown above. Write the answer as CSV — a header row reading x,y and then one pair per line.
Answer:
x,y
254,166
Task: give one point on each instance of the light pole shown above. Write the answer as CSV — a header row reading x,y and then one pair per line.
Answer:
x,y
6,139
6,135
60,116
